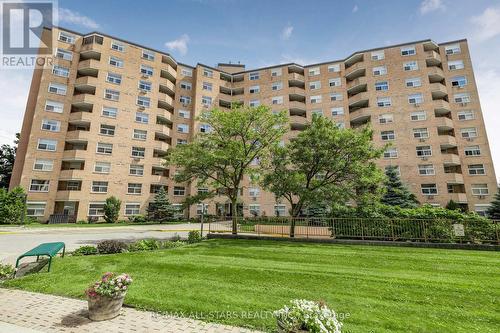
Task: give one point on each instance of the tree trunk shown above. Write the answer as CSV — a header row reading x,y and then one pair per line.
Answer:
x,y
234,213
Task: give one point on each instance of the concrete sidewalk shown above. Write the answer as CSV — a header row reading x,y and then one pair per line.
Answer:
x,y
22,311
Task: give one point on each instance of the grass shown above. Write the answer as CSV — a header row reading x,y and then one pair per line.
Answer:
x,y
378,289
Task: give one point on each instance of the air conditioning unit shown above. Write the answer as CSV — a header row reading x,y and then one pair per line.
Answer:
x,y
416,104
425,158
481,197
254,198
463,103
469,139
430,197
421,139
142,108
145,76
185,104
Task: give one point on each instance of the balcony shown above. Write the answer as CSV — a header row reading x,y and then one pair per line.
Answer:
x,y
451,159
354,59
360,116
438,90
159,180
296,80
79,117
68,195
454,178
78,136
165,102
167,87
91,51
84,102
89,67
297,94
447,141
436,74
75,154
441,107
298,120
71,174
169,73
358,101
355,71
432,58
458,197
356,86
297,107
161,146
86,85
162,130
164,115
444,123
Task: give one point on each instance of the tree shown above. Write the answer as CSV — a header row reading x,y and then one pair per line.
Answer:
x,y
323,165
161,209
12,205
220,158
112,209
494,209
397,194
452,205
7,158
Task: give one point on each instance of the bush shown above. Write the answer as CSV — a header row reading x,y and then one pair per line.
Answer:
x,y
137,219
112,209
144,245
82,222
194,237
111,246
175,238
6,271
85,250
172,244
12,205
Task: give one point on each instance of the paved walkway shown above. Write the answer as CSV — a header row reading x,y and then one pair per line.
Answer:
x,y
22,311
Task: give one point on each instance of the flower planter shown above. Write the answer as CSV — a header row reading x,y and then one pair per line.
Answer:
x,y
105,308
282,329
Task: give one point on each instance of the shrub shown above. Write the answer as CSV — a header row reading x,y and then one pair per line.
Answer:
x,y
112,209
6,271
137,219
82,222
110,285
85,250
144,245
111,246
172,244
194,237
12,205
175,238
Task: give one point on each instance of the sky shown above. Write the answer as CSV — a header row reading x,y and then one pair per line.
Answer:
x,y
259,33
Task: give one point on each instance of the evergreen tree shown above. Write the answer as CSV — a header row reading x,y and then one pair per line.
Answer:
x,y
161,209
452,205
397,194
494,209
112,209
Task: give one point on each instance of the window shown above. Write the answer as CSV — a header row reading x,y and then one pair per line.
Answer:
x,y
109,112
107,130
481,209
102,167
186,85
317,112
51,125
381,70
52,106
452,49
141,117
104,148
277,86
315,85
145,85
254,76
381,86
205,128
179,190
114,78
459,81
466,115
391,153
140,134
340,125
181,141
60,71
254,89
415,99
136,170
99,187
386,118
410,66
420,133
383,102
96,209
378,55
112,95
56,88
277,100
336,97
206,100
184,114
254,209
132,209
424,151
207,86
408,50
187,72
35,208
334,82
476,169
429,189
334,68
254,102
146,70
314,71
182,128
276,72
461,98
134,188
46,144
387,135
469,132
418,116
117,62
337,111
185,100
455,65
426,170
479,189
39,185
143,101
472,151
413,82
280,210
148,55
254,191
66,37
202,190
43,165
117,46
315,99
138,152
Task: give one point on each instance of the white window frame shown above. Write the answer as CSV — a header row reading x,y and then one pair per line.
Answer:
x,y
139,134
109,112
104,148
44,165
58,89
102,167
48,143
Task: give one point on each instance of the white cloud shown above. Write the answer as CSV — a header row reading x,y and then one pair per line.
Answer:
x,y
180,44
286,33
69,16
355,8
487,24
428,6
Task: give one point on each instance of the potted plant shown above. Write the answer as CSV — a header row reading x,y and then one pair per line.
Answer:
x,y
105,297
307,316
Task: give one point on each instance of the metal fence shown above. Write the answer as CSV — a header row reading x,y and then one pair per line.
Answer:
x,y
418,230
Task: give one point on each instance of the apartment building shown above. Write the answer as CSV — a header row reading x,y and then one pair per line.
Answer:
x,y
100,118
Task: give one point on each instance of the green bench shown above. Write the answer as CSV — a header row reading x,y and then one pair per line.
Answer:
x,y
45,249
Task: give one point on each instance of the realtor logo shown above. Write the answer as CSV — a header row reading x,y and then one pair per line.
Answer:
x,y
22,27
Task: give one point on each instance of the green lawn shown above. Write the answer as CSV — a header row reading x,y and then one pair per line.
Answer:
x,y
382,289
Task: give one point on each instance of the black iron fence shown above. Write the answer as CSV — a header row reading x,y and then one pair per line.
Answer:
x,y
418,230
62,218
